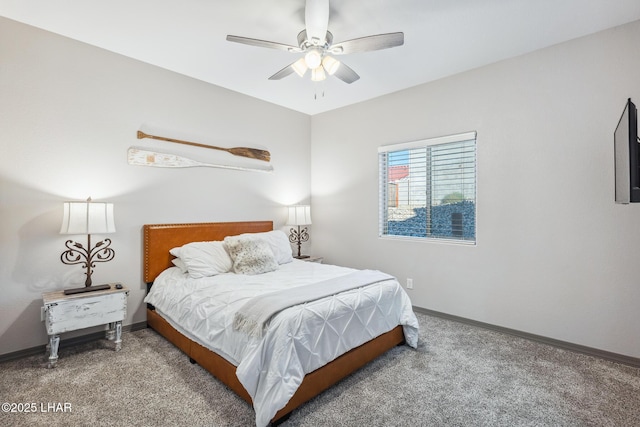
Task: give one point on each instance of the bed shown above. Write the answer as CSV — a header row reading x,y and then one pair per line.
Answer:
x,y
237,367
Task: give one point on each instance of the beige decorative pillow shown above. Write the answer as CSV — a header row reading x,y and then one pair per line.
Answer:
x,y
250,255
278,242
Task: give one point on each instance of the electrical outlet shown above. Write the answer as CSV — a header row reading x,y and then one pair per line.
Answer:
x,y
42,314
409,283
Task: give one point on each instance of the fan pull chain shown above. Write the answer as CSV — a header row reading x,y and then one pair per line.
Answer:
x,y
318,91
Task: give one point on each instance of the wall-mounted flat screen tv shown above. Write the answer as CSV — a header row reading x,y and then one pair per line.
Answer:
x,y
627,156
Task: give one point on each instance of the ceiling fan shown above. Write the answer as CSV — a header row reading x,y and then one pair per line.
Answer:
x,y
316,43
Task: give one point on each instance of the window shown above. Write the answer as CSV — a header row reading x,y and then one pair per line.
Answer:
x,y
428,188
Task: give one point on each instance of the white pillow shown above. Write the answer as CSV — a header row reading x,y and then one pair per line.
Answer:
x,y
203,259
180,264
250,255
278,242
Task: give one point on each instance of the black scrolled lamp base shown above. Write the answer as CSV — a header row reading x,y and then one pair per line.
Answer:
x,y
297,237
78,254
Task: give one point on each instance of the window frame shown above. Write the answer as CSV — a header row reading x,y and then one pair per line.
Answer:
x,y
383,184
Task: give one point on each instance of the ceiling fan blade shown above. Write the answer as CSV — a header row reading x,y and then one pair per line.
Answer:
x,y
263,43
283,73
316,20
346,74
365,44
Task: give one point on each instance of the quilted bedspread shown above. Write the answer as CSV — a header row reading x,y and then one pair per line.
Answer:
x,y
298,340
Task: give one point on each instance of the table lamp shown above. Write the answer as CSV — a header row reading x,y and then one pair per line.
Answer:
x,y
299,215
87,218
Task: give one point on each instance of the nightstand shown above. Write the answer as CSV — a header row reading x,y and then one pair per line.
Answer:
x,y
64,313
317,259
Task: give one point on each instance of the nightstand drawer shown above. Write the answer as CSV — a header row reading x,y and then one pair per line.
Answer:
x,y
72,314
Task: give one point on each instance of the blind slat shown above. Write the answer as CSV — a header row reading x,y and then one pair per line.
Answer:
x,y
428,188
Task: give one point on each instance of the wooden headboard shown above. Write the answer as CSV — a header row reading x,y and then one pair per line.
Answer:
x,y
160,238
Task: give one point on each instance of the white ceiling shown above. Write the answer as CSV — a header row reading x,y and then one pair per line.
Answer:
x,y
442,37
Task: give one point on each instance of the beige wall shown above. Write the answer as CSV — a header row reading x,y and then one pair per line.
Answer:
x,y
554,256
68,113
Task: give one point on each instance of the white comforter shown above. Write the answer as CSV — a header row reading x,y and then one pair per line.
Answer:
x,y
297,341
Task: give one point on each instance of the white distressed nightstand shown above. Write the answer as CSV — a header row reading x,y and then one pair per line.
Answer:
x,y
64,313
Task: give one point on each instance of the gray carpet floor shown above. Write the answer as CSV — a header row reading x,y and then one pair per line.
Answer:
x,y
460,375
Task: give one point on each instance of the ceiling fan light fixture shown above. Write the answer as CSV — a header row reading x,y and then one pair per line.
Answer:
x,y
300,67
330,64
318,74
313,58
315,44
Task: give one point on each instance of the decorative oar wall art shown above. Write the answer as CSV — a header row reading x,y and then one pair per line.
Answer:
x,y
141,157
244,158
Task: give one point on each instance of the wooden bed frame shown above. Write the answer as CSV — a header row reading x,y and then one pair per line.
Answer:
x,y
160,238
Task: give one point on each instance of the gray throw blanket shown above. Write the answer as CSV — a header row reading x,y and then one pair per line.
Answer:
x,y
255,313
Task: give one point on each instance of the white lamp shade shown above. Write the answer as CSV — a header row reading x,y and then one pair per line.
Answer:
x,y
299,215
300,67
313,58
318,74
87,218
330,64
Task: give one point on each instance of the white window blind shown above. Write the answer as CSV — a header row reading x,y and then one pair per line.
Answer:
x,y
428,188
